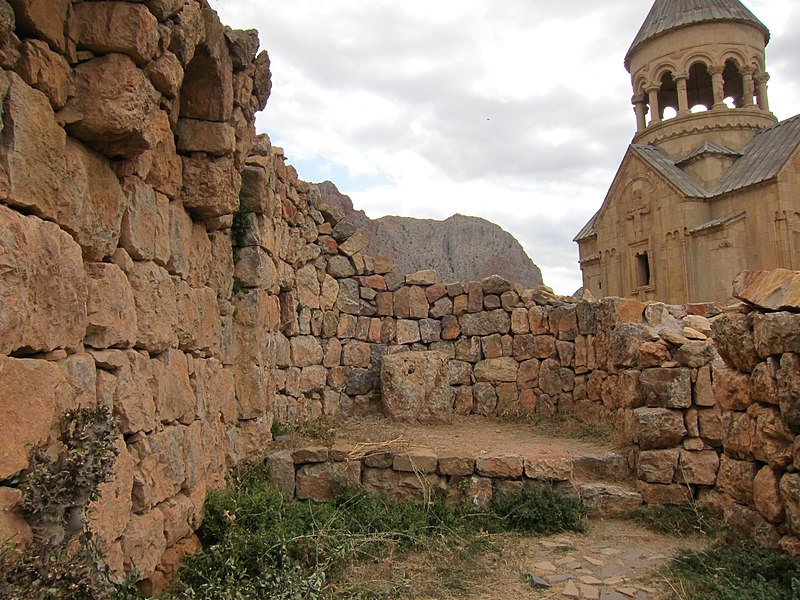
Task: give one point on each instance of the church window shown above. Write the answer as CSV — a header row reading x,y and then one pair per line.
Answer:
x,y
734,84
642,269
699,87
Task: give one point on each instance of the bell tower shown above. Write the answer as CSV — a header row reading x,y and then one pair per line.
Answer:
x,y
699,76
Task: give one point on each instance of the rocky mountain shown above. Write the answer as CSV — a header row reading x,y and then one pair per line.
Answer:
x,y
459,248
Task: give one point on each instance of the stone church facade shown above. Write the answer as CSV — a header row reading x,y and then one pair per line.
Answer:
x,y
710,185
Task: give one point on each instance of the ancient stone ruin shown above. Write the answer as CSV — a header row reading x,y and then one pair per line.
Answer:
x,y
159,258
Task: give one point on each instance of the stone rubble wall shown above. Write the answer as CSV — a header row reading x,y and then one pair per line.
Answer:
x,y
125,129
159,258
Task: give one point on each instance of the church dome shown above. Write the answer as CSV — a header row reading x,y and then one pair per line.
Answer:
x,y
668,15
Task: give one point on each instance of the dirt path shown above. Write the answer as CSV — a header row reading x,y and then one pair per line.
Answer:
x,y
614,560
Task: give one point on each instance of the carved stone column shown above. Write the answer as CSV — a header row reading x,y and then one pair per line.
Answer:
x,y
748,87
683,97
655,113
641,112
763,100
718,87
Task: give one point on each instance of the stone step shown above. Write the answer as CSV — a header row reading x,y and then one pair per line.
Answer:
x,y
609,500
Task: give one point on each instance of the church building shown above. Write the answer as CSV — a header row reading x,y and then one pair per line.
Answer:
x,y
710,185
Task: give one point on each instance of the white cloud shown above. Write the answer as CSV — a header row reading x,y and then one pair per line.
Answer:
x,y
515,111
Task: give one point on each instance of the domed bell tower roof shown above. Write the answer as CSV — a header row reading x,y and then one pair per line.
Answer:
x,y
668,15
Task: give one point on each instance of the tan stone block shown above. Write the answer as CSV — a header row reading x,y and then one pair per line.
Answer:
x,y
42,18
460,305
145,227
731,389
27,409
215,139
666,388
407,332
166,74
404,486
548,468
778,289
416,460
503,369
164,169
115,100
210,186
456,464
282,472
790,494
657,466
14,530
110,307
156,308
105,27
143,543
175,398
767,495
656,493
463,401
710,426
764,382
33,154
659,428
354,244
697,468
45,71
505,466
160,468
703,391
310,454
735,479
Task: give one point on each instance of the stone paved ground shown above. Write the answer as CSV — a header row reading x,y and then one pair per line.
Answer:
x,y
614,560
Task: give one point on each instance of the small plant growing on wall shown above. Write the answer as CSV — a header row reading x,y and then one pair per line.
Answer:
x,y
63,562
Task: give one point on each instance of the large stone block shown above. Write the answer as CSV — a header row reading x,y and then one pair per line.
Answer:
x,y
657,466
767,495
156,306
732,389
216,139
199,329
110,307
485,323
145,231
27,408
46,71
770,290
667,388
14,530
659,428
777,333
91,202
790,494
190,247
416,387
789,390
42,19
43,286
735,479
210,186
106,27
144,543
497,370
697,468
110,513
32,152
734,338
115,101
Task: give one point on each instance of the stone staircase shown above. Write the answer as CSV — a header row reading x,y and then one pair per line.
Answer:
x,y
470,460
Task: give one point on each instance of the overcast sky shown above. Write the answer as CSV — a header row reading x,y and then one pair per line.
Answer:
x,y
517,111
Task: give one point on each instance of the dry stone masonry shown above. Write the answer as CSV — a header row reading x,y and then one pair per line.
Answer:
x,y
159,258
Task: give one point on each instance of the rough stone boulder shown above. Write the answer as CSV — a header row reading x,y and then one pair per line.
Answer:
x,y
416,387
770,290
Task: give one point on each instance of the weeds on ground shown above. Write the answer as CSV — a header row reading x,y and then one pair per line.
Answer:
x,y
256,545
679,520
734,571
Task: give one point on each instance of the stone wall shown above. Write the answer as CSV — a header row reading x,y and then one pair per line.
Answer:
x,y
158,258
125,127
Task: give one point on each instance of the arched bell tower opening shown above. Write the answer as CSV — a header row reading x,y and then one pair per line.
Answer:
x,y
697,70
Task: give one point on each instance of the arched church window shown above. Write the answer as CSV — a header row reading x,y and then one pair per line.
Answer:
x,y
734,84
699,87
667,96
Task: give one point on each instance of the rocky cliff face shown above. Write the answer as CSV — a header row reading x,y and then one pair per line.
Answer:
x,y
459,248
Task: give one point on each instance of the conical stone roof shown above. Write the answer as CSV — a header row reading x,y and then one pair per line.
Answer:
x,y
667,15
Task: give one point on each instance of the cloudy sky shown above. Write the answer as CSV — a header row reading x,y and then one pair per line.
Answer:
x,y
517,111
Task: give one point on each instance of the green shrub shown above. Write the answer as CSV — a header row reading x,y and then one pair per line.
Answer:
x,y
679,520
256,545
737,571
